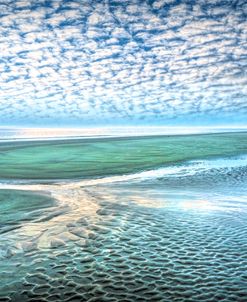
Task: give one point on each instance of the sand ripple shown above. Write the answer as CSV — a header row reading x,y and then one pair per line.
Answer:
x,y
107,247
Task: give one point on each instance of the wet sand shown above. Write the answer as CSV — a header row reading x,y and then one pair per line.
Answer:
x,y
84,220
109,244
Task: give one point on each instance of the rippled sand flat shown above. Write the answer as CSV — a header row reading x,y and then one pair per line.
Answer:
x,y
107,246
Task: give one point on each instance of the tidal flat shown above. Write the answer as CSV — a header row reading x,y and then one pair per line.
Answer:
x,y
124,219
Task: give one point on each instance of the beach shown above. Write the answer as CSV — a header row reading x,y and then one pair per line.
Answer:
x,y
124,219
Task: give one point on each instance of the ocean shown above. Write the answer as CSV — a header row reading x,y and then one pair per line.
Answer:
x,y
130,218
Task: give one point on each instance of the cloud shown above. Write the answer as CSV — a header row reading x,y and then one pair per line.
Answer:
x,y
113,62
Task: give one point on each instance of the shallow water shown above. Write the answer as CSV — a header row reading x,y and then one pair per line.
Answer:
x,y
17,207
90,158
176,231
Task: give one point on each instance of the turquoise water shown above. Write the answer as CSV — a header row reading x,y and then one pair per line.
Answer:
x,y
111,156
124,219
17,207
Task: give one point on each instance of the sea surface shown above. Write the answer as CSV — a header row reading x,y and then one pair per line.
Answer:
x,y
140,218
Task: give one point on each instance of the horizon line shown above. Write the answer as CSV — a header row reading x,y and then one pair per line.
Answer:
x,y
125,126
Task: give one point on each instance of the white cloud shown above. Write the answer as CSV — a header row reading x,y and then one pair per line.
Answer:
x,y
86,59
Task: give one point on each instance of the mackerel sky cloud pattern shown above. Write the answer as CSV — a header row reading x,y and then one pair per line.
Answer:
x,y
113,62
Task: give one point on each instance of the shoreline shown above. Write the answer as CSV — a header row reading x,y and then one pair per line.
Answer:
x,y
126,135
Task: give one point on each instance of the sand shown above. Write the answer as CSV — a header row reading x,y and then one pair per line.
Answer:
x,y
99,245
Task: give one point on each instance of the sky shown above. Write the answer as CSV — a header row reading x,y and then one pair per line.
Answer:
x,y
96,63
